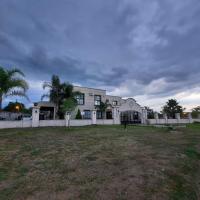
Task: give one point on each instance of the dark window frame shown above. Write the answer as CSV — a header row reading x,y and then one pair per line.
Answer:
x,y
79,98
89,115
97,102
115,103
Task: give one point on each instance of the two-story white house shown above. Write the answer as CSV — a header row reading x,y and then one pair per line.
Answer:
x,y
90,98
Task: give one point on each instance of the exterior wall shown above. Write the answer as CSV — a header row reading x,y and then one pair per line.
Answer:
x,y
114,98
130,104
9,115
15,124
43,123
172,121
105,122
63,123
81,122
89,97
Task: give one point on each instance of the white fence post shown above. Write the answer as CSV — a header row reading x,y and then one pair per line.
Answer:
x,y
156,117
165,117
67,119
116,115
178,117
144,116
190,117
94,117
35,116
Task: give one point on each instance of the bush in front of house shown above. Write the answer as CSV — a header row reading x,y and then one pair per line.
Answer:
x,y
78,115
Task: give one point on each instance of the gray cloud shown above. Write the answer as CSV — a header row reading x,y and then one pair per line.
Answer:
x,y
105,43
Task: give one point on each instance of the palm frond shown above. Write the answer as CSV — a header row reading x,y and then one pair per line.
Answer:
x,y
13,72
19,93
44,96
46,85
18,83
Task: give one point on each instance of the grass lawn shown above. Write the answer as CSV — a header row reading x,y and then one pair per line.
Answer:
x,y
100,162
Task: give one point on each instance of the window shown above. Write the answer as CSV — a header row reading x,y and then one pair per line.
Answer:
x,y
114,103
87,114
80,99
97,100
99,114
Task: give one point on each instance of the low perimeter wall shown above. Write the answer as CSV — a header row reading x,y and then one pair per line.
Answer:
x,y
15,124
47,123
171,121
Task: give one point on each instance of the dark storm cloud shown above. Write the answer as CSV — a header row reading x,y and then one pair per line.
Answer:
x,y
105,43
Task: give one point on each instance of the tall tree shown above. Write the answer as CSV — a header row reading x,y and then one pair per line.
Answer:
x,y
60,93
195,112
150,112
54,90
172,107
12,84
17,107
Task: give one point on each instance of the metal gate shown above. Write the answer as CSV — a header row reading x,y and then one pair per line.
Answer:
x,y
130,117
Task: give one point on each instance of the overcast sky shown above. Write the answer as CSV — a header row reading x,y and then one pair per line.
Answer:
x,y
149,50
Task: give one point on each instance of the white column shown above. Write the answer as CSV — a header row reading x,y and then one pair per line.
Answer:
x,y
116,115
144,116
190,117
54,113
178,117
67,119
165,117
94,117
156,117
35,116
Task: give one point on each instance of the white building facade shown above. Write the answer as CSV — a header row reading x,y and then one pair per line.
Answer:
x,y
91,98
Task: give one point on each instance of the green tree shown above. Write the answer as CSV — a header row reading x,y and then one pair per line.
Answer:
x,y
172,107
150,113
78,115
68,105
12,84
60,94
54,90
14,107
102,107
195,112
17,107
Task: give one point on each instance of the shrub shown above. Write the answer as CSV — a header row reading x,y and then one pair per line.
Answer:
x,y
78,115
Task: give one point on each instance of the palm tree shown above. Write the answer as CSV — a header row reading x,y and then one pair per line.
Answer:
x,y
103,107
59,93
54,90
12,84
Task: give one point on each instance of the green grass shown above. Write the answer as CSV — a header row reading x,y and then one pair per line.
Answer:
x,y
100,162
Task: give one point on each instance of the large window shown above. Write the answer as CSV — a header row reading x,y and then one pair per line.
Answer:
x,y
80,98
87,114
114,103
97,100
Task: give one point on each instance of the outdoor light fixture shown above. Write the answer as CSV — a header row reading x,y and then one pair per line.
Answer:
x,y
17,107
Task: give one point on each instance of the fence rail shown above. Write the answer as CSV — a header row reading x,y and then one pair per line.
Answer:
x,y
85,122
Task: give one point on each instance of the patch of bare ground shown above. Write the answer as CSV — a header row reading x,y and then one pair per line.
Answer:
x,y
102,162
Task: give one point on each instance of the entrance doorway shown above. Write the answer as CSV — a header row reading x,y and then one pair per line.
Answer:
x,y
130,117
